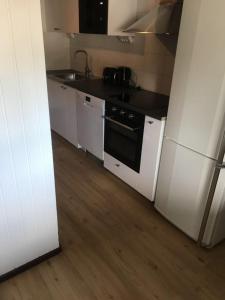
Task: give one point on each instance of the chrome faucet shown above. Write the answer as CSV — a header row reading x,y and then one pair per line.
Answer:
x,y
87,69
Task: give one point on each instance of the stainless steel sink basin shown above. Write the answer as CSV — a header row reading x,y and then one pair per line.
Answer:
x,y
70,76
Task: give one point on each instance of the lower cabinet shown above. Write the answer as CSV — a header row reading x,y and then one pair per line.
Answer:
x,y
63,110
145,181
78,117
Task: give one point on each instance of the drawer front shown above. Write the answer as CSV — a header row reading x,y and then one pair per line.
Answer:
x,y
135,180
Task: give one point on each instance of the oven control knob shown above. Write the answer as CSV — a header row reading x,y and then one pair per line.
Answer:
x,y
122,112
131,116
114,109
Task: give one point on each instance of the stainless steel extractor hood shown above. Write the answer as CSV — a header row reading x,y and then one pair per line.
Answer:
x,y
157,20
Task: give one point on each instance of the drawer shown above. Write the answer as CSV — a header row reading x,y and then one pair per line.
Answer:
x,y
132,178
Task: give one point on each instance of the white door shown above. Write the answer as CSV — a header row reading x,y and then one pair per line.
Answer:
x,y
183,185
197,102
28,216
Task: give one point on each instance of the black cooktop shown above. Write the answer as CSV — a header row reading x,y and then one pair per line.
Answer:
x,y
149,103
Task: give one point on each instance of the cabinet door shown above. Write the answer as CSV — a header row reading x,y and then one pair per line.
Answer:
x,y
121,15
53,99
151,152
71,115
93,16
63,110
61,16
53,15
70,16
57,105
60,110
82,122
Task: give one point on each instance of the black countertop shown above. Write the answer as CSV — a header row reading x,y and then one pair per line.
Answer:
x,y
149,103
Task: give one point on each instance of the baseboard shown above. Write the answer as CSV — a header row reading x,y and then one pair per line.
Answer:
x,y
30,264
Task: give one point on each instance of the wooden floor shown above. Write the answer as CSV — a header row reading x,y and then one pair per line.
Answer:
x,y
115,245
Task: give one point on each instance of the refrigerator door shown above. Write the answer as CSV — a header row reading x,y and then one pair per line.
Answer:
x,y
183,186
197,103
215,229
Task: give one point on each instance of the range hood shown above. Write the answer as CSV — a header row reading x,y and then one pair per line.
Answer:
x,y
156,21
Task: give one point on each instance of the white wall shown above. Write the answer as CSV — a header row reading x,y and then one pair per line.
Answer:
x,y
28,217
57,50
153,65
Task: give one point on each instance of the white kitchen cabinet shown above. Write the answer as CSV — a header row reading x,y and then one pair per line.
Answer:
x,y
61,16
70,98
63,110
91,124
145,181
151,152
56,106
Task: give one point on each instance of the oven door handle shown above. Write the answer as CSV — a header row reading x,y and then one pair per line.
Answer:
x,y
121,124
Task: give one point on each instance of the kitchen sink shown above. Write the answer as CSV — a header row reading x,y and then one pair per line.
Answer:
x,y
72,76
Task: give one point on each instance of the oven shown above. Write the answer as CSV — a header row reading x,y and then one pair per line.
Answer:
x,y
124,135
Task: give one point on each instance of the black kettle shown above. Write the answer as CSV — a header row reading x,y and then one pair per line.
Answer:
x,y
110,75
123,76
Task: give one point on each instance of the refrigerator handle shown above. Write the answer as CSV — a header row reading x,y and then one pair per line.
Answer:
x,y
219,166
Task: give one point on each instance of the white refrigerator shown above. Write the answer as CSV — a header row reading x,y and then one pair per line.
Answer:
x,y
191,183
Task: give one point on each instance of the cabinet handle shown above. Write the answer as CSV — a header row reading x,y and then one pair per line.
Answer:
x,y
150,122
117,165
57,29
63,87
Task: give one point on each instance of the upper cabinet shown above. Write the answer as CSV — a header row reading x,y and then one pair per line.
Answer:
x,y
121,14
89,16
106,16
61,16
93,16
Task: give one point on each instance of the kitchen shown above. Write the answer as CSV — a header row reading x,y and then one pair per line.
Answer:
x,y
108,114
133,152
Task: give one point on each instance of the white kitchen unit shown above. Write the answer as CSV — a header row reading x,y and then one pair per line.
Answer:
x,y
91,124
61,16
28,215
145,181
63,110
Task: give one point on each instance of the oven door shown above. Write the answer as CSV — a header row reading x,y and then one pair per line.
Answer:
x,y
124,142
